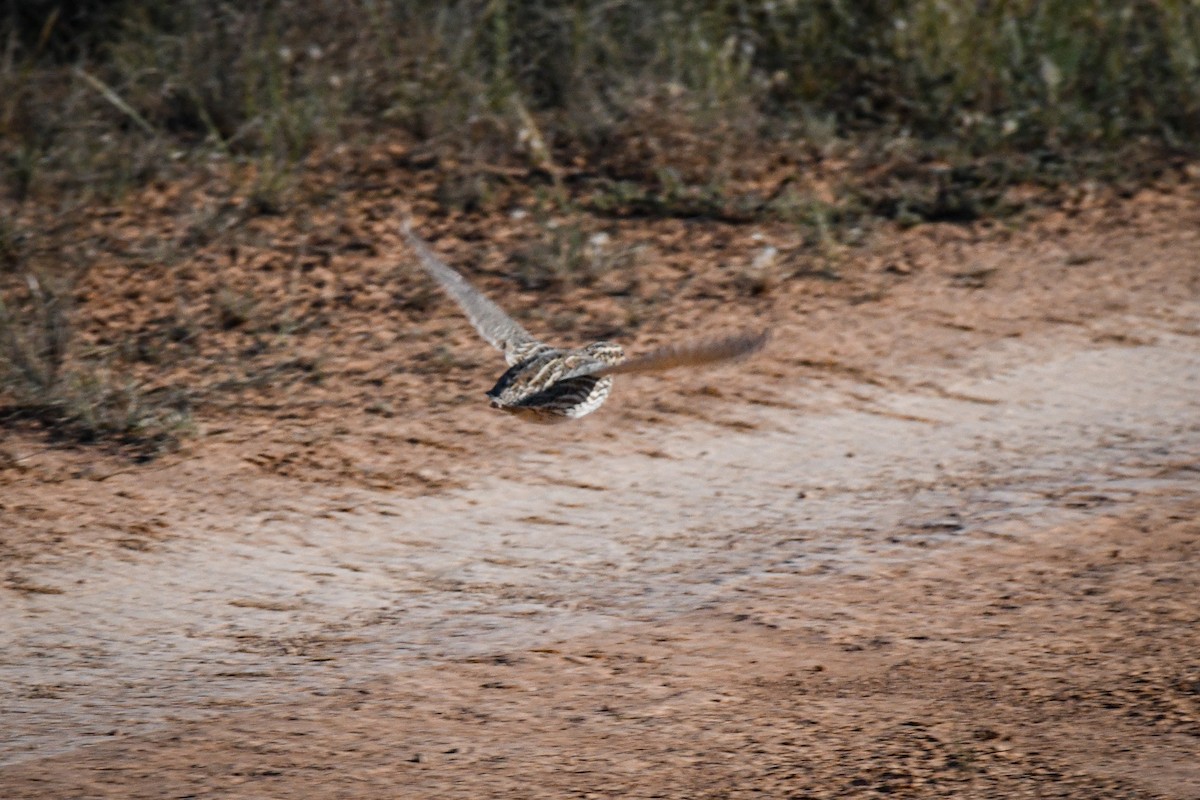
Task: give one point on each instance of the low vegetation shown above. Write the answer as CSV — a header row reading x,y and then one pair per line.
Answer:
x,y
911,110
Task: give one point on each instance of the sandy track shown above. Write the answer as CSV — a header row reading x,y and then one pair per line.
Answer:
x,y
975,578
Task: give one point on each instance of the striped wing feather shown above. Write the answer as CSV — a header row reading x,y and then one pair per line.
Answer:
x,y
694,354
498,328
571,398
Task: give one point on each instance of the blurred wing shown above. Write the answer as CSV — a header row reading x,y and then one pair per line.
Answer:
x,y
695,354
498,328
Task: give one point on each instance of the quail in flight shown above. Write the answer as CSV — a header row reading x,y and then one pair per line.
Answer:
x,y
552,384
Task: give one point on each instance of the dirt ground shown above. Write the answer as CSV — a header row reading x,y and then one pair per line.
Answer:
x,y
939,540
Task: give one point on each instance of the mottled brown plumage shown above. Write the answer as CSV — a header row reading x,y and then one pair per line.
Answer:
x,y
551,384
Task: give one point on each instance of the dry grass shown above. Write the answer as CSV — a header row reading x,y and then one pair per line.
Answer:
x,y
102,94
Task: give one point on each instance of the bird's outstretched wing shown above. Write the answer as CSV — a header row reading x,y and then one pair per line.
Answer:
x,y
693,354
498,328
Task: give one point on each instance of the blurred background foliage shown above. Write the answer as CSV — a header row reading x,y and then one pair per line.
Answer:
x,y
105,92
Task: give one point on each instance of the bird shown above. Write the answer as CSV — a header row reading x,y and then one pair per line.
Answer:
x,y
548,384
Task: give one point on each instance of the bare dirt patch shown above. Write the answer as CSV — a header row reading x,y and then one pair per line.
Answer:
x,y
939,540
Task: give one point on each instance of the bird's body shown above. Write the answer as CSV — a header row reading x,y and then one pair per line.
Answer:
x,y
540,390
550,384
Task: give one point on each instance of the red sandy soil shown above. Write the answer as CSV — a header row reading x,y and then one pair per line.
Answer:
x,y
939,540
